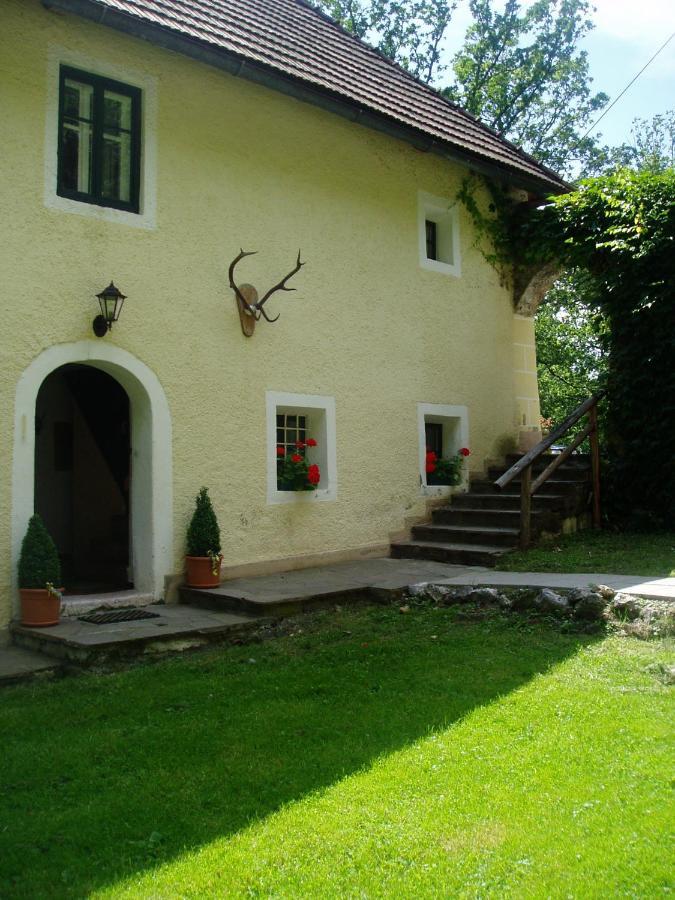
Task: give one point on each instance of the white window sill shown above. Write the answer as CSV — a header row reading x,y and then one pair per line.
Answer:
x,y
301,496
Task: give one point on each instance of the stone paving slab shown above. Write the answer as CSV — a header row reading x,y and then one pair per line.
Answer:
x,y
175,628
338,578
171,621
17,664
638,585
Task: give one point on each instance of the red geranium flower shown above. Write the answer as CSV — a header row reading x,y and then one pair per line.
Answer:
x,y
281,451
300,445
465,451
296,458
430,467
313,475
431,456
311,442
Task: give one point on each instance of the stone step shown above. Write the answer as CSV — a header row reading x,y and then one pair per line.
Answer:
x,y
175,628
457,554
490,517
505,501
564,473
466,534
276,604
559,486
576,461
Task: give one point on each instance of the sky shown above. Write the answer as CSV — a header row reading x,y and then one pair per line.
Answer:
x,y
627,33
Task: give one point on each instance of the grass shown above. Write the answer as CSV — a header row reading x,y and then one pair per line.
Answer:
x,y
599,551
366,754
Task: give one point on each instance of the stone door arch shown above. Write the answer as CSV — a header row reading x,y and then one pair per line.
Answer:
x,y
152,484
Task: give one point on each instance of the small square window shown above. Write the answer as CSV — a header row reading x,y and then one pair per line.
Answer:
x,y
438,234
99,143
295,418
443,430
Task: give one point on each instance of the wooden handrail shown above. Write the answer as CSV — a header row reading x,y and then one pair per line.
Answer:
x,y
524,465
534,454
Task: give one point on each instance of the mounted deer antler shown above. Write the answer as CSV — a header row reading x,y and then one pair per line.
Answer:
x,y
250,308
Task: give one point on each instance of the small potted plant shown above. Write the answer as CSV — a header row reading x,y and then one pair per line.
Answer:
x,y
39,572
445,470
203,558
294,472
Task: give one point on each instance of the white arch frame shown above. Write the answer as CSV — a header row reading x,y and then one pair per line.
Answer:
x,y
152,481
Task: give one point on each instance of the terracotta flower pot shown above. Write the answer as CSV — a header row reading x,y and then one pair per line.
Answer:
x,y
39,607
200,572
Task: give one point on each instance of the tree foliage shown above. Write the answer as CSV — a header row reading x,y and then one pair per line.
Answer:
x,y
519,70
571,354
652,148
620,228
408,31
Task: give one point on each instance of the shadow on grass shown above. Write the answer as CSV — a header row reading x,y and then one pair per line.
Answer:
x,y
111,774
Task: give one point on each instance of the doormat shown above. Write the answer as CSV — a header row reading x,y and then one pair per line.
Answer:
x,y
118,615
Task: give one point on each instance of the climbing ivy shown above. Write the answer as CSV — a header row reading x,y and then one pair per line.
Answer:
x,y
493,227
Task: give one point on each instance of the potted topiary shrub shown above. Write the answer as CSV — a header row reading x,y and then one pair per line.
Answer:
x,y
39,572
203,558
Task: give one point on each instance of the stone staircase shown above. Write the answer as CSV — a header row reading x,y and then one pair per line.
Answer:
x,y
477,527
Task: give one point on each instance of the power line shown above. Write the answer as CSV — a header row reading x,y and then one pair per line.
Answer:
x,y
633,80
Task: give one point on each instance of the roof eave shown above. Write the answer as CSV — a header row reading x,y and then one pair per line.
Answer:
x,y
269,77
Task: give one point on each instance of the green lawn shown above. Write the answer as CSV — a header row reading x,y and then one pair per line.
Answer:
x,y
599,551
373,754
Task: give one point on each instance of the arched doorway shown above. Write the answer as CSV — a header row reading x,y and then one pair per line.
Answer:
x,y
83,476
150,500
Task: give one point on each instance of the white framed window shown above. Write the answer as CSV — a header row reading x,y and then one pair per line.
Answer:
x,y
76,182
301,417
443,429
438,230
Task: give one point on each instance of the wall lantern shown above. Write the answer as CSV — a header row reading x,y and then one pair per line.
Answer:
x,y
111,300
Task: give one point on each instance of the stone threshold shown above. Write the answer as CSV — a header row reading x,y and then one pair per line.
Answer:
x,y
80,604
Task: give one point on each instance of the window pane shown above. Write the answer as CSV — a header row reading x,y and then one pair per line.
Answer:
x,y
77,100
76,156
116,111
116,167
432,250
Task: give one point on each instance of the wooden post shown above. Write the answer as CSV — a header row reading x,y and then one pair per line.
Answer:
x,y
595,464
525,507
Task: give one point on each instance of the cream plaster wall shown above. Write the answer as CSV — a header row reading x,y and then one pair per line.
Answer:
x,y
525,372
241,166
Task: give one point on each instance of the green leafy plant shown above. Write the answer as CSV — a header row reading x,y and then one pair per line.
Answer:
x,y
39,565
294,472
445,470
203,534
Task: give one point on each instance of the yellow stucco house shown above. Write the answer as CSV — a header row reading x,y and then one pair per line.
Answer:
x,y
144,144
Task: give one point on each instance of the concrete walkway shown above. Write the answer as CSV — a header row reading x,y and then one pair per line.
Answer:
x,y
391,575
291,592
643,586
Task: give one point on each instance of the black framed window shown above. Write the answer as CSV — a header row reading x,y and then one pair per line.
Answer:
x,y
99,140
432,251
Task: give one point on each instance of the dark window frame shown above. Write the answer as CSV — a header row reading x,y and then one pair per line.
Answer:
x,y
431,235
100,84
433,436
